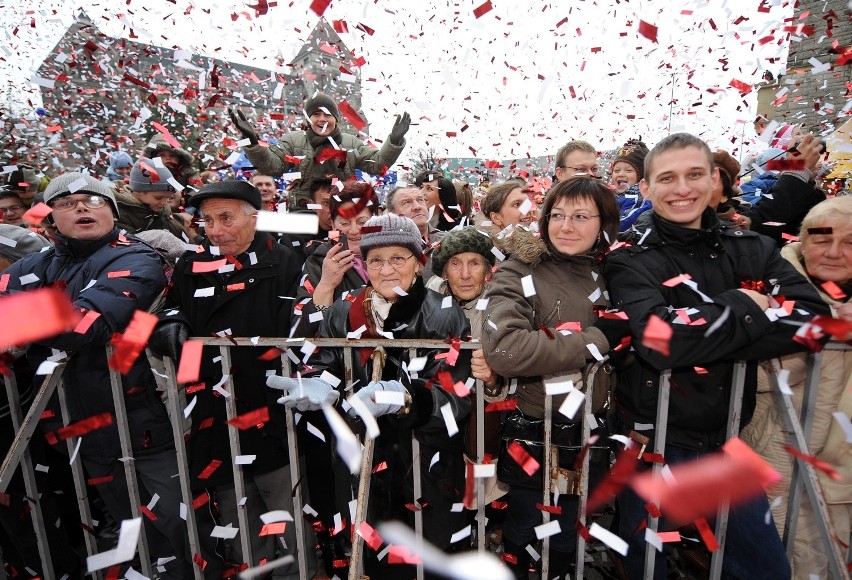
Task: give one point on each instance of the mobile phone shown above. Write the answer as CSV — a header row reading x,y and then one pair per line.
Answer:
x,y
342,239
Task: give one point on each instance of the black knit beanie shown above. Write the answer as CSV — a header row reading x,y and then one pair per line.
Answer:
x,y
322,100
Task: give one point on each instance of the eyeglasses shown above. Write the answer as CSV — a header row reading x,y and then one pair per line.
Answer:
x,y
578,218
431,187
90,201
12,208
396,262
593,170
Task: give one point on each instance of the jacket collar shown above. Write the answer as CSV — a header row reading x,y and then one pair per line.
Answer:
x,y
406,307
666,232
66,246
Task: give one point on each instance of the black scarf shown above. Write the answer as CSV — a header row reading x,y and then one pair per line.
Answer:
x,y
320,141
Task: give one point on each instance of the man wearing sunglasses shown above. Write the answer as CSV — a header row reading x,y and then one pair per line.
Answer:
x,y
108,278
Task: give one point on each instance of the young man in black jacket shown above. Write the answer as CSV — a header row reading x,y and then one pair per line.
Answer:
x,y
727,299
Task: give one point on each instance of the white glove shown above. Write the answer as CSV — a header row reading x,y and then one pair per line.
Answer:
x,y
303,394
368,396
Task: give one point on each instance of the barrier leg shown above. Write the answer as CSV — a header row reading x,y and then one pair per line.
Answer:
x,y
661,427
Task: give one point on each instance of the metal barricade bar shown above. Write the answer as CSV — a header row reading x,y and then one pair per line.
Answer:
x,y
734,417
661,428
175,408
123,427
29,479
79,480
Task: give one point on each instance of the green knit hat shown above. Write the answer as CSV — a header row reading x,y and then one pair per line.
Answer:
x,y
461,241
322,100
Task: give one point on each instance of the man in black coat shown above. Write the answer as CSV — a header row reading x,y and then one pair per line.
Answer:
x,y
729,316
109,277
242,285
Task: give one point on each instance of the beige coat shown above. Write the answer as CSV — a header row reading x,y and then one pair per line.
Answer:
x,y
767,435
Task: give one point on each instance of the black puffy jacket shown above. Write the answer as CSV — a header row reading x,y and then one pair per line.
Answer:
x,y
85,267
720,261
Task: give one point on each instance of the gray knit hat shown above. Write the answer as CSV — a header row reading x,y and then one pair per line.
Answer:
x,y
322,100
17,242
143,180
74,182
391,230
461,241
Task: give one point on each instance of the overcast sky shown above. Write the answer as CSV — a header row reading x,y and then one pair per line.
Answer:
x,y
520,80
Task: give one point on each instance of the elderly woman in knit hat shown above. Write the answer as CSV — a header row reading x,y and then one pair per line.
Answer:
x,y
322,150
408,403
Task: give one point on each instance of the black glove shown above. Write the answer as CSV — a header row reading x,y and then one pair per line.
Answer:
x,y
243,126
614,329
400,128
168,338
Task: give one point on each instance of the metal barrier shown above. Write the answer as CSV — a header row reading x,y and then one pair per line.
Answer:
x,y
18,455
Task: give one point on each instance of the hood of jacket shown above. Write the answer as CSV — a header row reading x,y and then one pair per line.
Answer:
x,y
158,143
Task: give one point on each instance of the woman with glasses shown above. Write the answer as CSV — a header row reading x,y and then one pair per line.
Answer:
x,y
334,267
421,397
543,306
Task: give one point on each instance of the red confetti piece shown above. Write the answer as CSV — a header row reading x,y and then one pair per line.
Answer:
x,y
653,458
272,529
483,9
131,343
497,406
652,509
271,354
86,322
167,136
340,26
210,469
617,479
84,426
148,513
527,462
699,487
551,509
118,274
380,467
199,561
647,30
36,214
657,335
823,466
672,282
785,164
706,534
546,331
840,329
401,555
351,115
99,480
742,87
235,287
201,500
329,153
371,536
204,267
251,419
35,315
572,326
669,537
190,362
4,282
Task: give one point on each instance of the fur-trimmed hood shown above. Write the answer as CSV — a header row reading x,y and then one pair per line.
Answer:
x,y
521,243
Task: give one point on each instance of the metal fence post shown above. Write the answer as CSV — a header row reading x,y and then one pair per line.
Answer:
x,y
418,487
30,484
176,412
123,428
734,417
482,540
661,428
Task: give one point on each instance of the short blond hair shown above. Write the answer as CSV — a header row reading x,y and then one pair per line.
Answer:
x,y
835,207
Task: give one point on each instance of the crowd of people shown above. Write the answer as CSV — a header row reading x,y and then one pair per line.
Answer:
x,y
673,261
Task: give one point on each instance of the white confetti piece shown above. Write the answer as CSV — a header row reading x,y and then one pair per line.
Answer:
x,y
127,539
276,516
844,423
389,398
528,286
572,403
553,387
291,223
29,279
449,420
225,532
244,459
652,538
608,538
204,292
348,446
546,530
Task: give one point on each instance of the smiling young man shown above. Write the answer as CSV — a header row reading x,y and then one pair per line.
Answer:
x,y
718,317
323,150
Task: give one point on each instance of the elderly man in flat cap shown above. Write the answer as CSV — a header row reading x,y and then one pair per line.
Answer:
x,y
248,294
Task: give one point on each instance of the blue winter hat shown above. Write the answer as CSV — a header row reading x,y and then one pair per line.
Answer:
x,y
119,160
